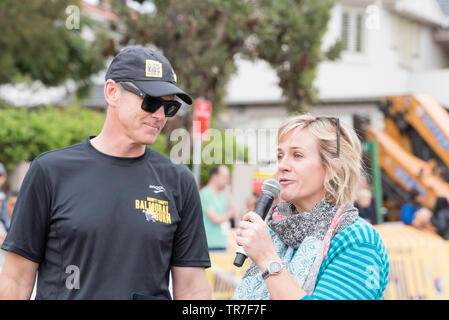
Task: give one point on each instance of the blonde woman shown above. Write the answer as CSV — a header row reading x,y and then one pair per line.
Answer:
x,y
313,244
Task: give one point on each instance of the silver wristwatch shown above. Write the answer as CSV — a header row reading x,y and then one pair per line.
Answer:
x,y
274,267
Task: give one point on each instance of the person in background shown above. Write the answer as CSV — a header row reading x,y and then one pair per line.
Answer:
x,y
422,219
366,206
2,226
251,202
440,218
2,252
409,209
363,181
10,201
218,207
4,217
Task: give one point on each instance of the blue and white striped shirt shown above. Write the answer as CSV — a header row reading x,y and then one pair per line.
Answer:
x,y
356,266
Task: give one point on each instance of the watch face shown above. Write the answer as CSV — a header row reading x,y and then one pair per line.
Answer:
x,y
275,267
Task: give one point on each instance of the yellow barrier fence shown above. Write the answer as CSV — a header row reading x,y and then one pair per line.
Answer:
x,y
419,263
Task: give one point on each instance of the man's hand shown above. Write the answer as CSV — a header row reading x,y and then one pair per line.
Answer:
x,y
232,208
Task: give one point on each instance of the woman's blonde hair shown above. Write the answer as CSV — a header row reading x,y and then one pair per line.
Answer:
x,y
341,181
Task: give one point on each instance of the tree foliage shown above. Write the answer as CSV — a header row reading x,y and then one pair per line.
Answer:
x,y
289,37
221,148
199,37
37,45
24,133
203,37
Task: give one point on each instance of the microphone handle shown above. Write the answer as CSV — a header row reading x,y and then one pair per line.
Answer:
x,y
240,256
262,208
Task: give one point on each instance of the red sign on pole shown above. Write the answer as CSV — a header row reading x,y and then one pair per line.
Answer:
x,y
201,119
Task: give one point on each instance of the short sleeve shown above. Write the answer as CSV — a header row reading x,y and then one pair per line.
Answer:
x,y
31,215
190,245
204,200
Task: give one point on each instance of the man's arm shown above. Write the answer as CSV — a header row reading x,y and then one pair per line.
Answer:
x,y
231,212
232,207
218,218
17,278
190,283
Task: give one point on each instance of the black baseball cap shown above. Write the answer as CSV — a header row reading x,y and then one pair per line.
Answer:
x,y
150,71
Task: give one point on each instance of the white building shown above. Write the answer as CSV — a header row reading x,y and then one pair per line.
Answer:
x,y
394,47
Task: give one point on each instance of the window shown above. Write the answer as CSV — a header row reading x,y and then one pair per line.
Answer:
x,y
405,38
352,31
345,29
358,33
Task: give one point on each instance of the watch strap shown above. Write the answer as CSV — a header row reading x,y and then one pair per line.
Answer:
x,y
268,273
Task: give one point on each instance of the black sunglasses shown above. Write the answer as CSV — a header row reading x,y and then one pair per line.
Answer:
x,y
337,123
152,104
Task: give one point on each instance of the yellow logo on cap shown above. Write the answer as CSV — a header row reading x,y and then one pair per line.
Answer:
x,y
153,68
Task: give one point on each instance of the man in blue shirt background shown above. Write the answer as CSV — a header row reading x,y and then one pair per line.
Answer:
x,y
409,209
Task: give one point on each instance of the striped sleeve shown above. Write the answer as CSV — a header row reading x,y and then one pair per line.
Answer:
x,y
358,270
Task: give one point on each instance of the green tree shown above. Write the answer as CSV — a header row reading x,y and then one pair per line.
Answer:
x,y
229,151
202,38
289,37
25,133
36,44
199,37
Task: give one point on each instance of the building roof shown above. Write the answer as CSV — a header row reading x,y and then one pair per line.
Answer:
x,y
444,4
101,11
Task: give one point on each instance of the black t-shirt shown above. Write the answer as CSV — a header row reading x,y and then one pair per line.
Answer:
x,y
104,227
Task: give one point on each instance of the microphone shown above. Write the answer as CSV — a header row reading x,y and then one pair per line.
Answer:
x,y
270,189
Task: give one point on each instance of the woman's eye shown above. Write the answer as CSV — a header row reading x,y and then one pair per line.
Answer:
x,y
279,156
297,155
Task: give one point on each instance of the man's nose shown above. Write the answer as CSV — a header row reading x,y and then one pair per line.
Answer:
x,y
159,113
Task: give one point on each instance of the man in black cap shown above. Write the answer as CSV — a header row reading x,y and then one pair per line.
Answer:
x,y
110,218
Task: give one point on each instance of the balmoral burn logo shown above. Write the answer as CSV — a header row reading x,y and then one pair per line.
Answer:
x,y
154,209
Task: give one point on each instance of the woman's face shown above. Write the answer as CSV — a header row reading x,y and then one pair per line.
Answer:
x,y
300,171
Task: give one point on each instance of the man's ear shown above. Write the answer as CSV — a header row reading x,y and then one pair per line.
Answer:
x,y
112,93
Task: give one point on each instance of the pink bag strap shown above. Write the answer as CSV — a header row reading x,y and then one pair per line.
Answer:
x,y
340,215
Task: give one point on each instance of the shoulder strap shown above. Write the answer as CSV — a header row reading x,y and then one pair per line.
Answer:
x,y
339,216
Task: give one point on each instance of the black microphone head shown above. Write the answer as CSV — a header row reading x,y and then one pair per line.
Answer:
x,y
271,187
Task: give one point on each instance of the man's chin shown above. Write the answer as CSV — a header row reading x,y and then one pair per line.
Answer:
x,y
148,140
